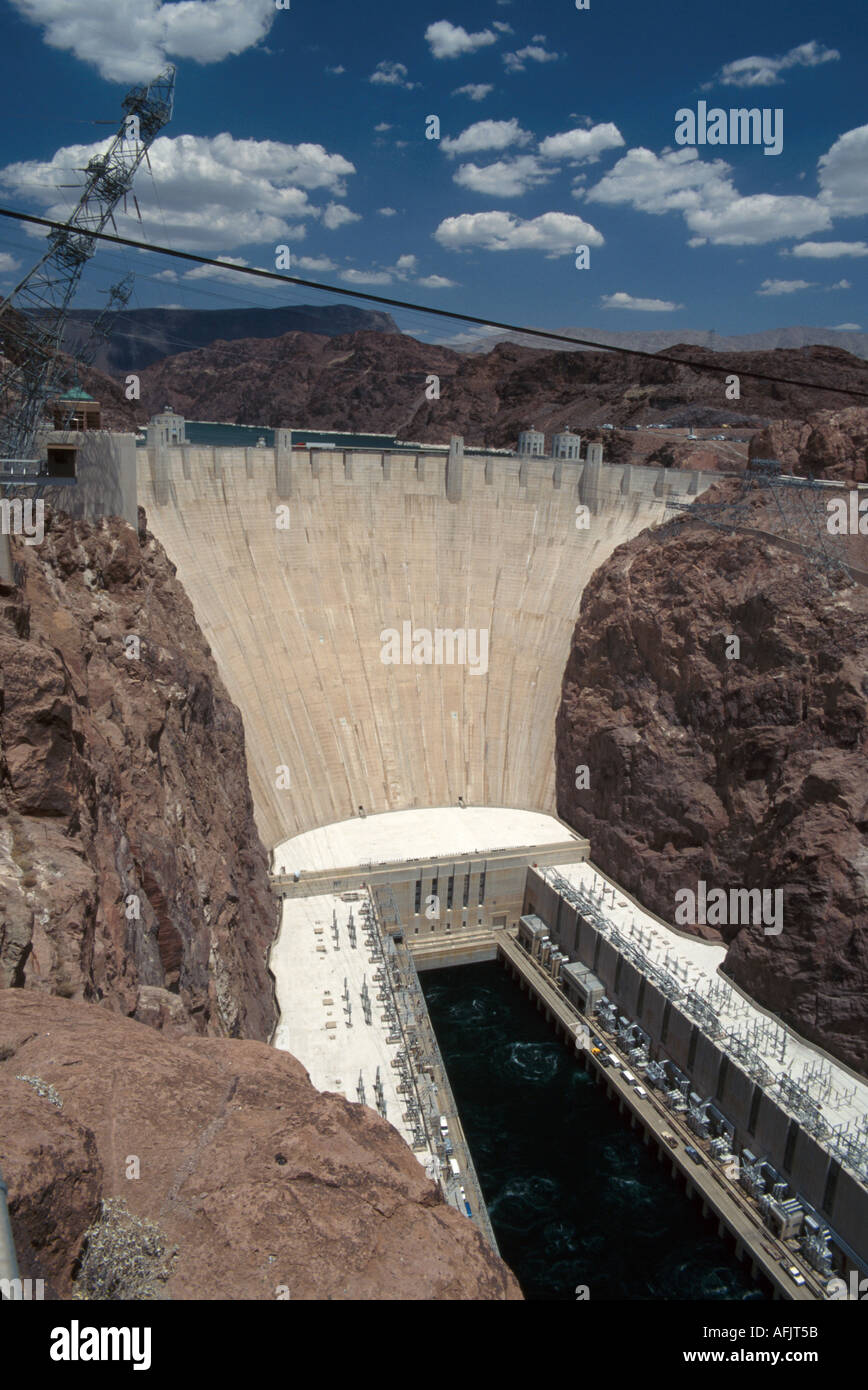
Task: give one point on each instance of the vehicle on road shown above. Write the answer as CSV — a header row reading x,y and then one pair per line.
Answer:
x,y
794,1273
693,1153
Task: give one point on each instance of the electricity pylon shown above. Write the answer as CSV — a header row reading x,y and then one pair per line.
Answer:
x,y
32,318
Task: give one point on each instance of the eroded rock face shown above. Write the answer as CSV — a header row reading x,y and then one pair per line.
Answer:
x,y
828,444
748,772
376,381
260,1181
131,871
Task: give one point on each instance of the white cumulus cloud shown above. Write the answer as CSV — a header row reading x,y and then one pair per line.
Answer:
x,y
532,53
212,272
215,192
843,174
487,135
336,215
582,146
704,192
387,74
312,263
448,40
476,91
654,183
131,40
785,286
507,178
622,300
555,233
437,282
828,250
766,72
366,277
759,218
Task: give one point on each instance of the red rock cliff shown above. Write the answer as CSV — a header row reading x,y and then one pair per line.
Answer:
x,y
746,773
828,444
131,871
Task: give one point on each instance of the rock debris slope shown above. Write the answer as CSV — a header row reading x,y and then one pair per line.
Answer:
x,y
260,1186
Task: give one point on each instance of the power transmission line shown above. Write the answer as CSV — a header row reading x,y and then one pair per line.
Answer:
x,y
428,309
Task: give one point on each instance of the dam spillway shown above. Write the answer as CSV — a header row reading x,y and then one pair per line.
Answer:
x,y
294,616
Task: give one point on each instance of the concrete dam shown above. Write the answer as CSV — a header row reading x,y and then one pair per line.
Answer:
x,y
488,545
409,804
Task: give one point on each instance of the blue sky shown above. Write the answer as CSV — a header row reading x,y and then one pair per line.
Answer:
x,y
307,127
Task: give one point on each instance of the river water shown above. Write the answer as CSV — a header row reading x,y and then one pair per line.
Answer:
x,y
574,1196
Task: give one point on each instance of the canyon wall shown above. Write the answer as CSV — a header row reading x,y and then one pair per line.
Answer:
x,y
131,871
747,771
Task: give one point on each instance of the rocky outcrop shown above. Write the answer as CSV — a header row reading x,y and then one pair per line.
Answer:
x,y
828,444
745,771
377,382
260,1186
131,871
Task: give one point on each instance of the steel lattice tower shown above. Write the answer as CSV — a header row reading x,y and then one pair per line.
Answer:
x,y
32,317
798,515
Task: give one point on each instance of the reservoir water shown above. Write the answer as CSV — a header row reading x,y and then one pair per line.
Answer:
x,y
573,1194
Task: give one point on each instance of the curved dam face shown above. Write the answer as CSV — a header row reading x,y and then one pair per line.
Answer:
x,y
316,577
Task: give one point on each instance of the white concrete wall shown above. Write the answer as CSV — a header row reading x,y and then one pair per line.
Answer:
x,y
294,618
105,473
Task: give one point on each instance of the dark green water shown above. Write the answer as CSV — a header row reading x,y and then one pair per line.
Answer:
x,y
573,1194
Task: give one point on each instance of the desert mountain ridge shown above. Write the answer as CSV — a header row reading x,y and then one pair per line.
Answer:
x,y
378,381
